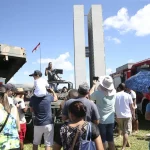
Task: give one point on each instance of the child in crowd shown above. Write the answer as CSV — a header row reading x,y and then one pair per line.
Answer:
x,y
40,84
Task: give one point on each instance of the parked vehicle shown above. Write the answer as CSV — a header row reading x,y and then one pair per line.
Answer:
x,y
12,58
126,71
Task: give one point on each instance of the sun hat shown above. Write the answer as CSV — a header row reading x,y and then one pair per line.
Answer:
x,y
106,85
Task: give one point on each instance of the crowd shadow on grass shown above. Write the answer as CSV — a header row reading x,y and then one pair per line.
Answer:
x,y
27,142
118,147
143,124
143,138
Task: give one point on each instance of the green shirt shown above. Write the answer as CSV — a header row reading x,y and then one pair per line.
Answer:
x,y
105,105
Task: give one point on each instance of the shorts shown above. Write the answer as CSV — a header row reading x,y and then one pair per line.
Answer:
x,y
125,124
22,132
106,132
47,130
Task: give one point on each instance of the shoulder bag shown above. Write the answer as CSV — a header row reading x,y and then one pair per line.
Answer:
x,y
4,123
88,144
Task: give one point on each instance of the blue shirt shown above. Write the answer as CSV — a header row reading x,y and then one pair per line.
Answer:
x,y
105,105
42,109
92,111
148,107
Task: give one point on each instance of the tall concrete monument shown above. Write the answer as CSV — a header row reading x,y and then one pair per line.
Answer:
x,y
95,49
96,42
79,45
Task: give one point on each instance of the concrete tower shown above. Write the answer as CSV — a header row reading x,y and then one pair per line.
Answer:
x,y
95,50
79,45
96,42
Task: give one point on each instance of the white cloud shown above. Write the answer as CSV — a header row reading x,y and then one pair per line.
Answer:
x,y
109,71
34,63
61,62
116,40
140,22
71,78
12,80
131,61
26,73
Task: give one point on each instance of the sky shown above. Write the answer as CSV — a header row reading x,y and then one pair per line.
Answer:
x,y
126,26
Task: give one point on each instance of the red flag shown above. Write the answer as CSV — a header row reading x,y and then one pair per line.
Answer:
x,y
36,48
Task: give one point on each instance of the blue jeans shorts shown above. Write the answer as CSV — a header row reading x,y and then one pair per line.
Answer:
x,y
106,132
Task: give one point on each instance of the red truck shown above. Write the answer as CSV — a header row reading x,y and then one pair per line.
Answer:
x,y
126,71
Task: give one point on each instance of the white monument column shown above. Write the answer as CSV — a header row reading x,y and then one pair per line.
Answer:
x,y
79,45
96,42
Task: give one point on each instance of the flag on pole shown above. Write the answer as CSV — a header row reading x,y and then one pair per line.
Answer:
x,y
36,48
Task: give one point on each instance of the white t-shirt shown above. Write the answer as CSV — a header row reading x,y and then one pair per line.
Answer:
x,y
21,106
40,87
13,107
10,101
123,100
133,95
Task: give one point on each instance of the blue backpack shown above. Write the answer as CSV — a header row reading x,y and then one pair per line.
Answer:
x,y
88,144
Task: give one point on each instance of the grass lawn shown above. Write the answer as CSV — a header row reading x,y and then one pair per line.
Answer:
x,y
138,141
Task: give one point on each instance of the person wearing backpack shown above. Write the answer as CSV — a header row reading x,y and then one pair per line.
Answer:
x,y
78,133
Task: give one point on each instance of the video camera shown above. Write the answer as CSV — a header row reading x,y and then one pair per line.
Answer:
x,y
96,78
58,71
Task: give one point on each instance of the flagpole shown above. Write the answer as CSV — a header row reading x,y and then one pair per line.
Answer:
x,y
40,56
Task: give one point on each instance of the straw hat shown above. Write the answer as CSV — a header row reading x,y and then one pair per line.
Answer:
x,y
19,90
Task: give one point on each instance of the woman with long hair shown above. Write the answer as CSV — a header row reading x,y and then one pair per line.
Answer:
x,y
77,113
9,138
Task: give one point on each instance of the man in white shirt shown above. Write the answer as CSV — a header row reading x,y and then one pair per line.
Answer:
x,y
40,84
124,112
135,122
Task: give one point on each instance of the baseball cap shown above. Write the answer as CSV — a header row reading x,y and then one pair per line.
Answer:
x,y
83,88
36,73
10,86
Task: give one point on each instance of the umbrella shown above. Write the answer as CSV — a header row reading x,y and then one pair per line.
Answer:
x,y
139,82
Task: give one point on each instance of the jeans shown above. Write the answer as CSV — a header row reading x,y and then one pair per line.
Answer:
x,y
106,132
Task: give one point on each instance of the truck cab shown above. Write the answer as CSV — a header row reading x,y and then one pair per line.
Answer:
x,y
126,71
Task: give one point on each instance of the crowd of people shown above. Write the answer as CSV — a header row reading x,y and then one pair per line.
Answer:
x,y
87,113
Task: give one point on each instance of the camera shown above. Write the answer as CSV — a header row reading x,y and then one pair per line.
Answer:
x,y
58,71
96,78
